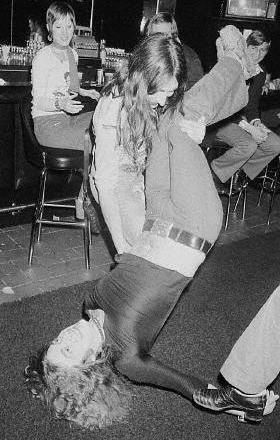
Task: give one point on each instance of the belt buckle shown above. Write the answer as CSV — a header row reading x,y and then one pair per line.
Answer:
x,y
161,228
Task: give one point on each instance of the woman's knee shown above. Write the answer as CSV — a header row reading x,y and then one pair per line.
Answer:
x,y
131,366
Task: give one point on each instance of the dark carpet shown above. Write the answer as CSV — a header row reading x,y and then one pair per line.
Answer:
x,y
227,292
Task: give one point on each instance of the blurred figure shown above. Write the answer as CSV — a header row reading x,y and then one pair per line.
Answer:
x,y
38,31
165,23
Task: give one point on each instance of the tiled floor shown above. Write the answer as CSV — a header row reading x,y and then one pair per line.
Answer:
x,y
59,261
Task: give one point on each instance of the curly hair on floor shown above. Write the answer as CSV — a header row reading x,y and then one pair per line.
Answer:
x,y
93,395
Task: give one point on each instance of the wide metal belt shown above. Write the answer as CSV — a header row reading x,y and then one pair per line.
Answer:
x,y
165,229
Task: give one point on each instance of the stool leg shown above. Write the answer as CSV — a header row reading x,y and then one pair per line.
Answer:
x,y
242,193
271,202
244,202
37,215
263,186
31,243
41,204
228,204
86,235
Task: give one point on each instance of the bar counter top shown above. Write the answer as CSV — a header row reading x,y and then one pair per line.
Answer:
x,y
15,74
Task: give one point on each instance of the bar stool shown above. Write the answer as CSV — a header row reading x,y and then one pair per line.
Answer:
x,y
270,183
55,160
212,150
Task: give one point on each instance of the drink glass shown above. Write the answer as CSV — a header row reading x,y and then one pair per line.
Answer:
x,y
5,52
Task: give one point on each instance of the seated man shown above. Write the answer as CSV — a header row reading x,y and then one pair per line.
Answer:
x,y
252,365
165,23
253,144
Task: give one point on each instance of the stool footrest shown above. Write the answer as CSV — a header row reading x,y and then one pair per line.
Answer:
x,y
71,223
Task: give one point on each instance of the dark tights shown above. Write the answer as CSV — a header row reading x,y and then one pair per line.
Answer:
x,y
137,297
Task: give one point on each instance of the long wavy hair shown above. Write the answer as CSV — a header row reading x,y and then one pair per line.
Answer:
x,y
92,396
155,60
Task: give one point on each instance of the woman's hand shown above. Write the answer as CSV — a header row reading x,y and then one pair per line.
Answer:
x,y
68,105
91,93
259,134
266,88
194,129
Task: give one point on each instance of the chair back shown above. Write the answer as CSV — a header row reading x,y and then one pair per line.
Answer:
x,y
32,148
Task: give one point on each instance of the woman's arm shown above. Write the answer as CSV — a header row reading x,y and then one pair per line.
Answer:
x,y
49,88
42,98
107,163
91,93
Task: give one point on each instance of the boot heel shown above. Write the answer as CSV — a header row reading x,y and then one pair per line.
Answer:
x,y
252,416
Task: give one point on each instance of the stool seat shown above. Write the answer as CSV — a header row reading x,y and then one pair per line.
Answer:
x,y
62,158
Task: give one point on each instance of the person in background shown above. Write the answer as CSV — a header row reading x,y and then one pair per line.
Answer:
x,y
271,115
253,145
183,219
164,22
37,29
56,107
252,365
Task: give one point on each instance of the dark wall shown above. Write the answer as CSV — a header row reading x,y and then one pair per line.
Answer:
x,y
118,22
197,29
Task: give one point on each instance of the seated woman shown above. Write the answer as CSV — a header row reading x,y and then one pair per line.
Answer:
x,y
58,118
183,219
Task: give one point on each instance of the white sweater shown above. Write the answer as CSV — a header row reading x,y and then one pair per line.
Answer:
x,y
50,76
118,189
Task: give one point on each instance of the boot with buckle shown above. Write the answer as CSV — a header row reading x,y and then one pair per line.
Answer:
x,y
229,398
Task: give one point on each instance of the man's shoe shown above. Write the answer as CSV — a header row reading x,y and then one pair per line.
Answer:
x,y
228,398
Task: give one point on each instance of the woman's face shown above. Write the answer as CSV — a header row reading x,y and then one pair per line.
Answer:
x,y
166,90
257,53
76,344
63,31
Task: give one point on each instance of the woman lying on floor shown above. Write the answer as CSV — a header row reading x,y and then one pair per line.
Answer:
x,y
183,219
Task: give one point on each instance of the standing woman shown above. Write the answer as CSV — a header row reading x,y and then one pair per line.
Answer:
x,y
125,121
58,121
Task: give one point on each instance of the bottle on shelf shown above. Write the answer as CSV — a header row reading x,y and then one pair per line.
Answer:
x,y
102,53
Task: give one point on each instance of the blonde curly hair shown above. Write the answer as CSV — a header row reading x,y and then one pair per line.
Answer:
x,y
93,395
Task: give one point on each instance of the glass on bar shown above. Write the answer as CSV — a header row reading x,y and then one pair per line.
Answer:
x,y
5,49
